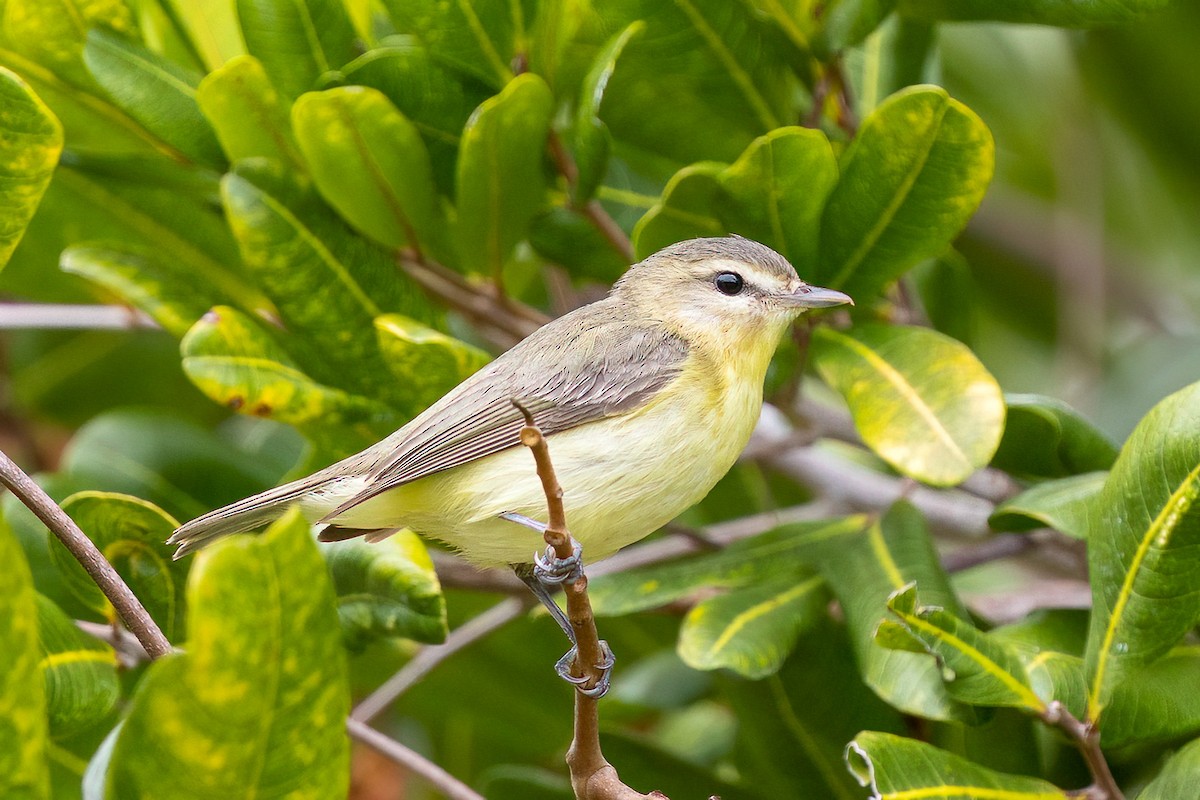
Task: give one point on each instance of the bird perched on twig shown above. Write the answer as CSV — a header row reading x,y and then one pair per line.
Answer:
x,y
647,397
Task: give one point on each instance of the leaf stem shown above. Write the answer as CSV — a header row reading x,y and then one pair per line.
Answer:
x,y
592,209
1086,738
131,611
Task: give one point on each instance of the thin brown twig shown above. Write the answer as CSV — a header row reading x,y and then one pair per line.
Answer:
x,y
1086,738
443,781
131,611
592,777
591,209
429,657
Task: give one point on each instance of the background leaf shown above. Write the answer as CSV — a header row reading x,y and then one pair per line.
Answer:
x,y
686,210
1046,438
237,92
1044,12
261,690
1063,504
1178,777
80,672
921,400
30,142
297,41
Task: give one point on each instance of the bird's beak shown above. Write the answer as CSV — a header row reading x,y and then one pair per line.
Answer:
x,y
815,297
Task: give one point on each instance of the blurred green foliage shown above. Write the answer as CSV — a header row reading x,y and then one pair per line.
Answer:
x,y
334,210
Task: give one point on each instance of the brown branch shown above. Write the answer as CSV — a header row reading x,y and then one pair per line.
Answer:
x,y
131,611
592,209
592,777
1086,738
429,657
443,781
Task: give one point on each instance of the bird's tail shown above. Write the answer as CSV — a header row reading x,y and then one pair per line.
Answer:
x,y
244,515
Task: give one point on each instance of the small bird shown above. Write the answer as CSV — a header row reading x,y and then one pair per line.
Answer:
x,y
647,397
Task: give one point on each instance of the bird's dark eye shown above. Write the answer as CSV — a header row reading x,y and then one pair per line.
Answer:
x,y
729,283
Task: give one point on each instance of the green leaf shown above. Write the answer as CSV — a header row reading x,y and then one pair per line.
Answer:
x,y
388,589
426,363
297,41
23,736
1063,504
794,746
480,38
212,28
52,35
773,556
751,631
721,70
328,284
775,192
1178,778
565,236
434,98
921,400
31,140
174,298
948,296
501,178
130,532
172,460
914,174
977,669
247,113
590,138
256,707
687,210
1141,554
158,93
1063,13
895,767
80,672
863,567
845,23
370,163
1046,438
1048,643
235,362
1158,703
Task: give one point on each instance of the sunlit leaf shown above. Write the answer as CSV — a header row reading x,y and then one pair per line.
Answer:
x,y
53,34
479,38
130,532
247,113
590,138
894,767
501,174
297,41
687,210
977,669
1061,504
256,706
752,630
370,163
863,567
1046,438
1141,554
31,139
426,362
386,590
910,180
80,672
921,400
156,92
23,736
776,191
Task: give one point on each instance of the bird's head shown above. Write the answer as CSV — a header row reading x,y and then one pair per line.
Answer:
x,y
723,287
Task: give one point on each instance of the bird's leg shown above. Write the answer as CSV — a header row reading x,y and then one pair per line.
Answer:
x,y
548,570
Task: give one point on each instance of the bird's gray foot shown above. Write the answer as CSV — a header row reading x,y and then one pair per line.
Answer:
x,y
554,571
563,668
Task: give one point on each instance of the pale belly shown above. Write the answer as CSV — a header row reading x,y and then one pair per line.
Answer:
x,y
622,479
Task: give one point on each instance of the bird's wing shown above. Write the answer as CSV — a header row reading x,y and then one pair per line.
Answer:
x,y
613,368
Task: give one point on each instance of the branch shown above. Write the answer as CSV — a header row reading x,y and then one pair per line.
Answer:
x,y
443,781
592,777
131,611
592,209
1086,738
427,658
63,316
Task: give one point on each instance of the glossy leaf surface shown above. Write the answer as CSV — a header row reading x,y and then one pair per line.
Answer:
x,y
248,114
31,139
297,41
920,400
1046,438
256,706
1061,504
425,362
685,211
80,672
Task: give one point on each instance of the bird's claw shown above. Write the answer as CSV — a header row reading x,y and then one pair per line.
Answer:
x,y
551,570
563,668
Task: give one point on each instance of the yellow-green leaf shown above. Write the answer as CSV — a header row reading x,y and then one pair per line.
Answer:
x,y
247,113
921,400
53,34
687,210
80,672
31,140
256,707
425,362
